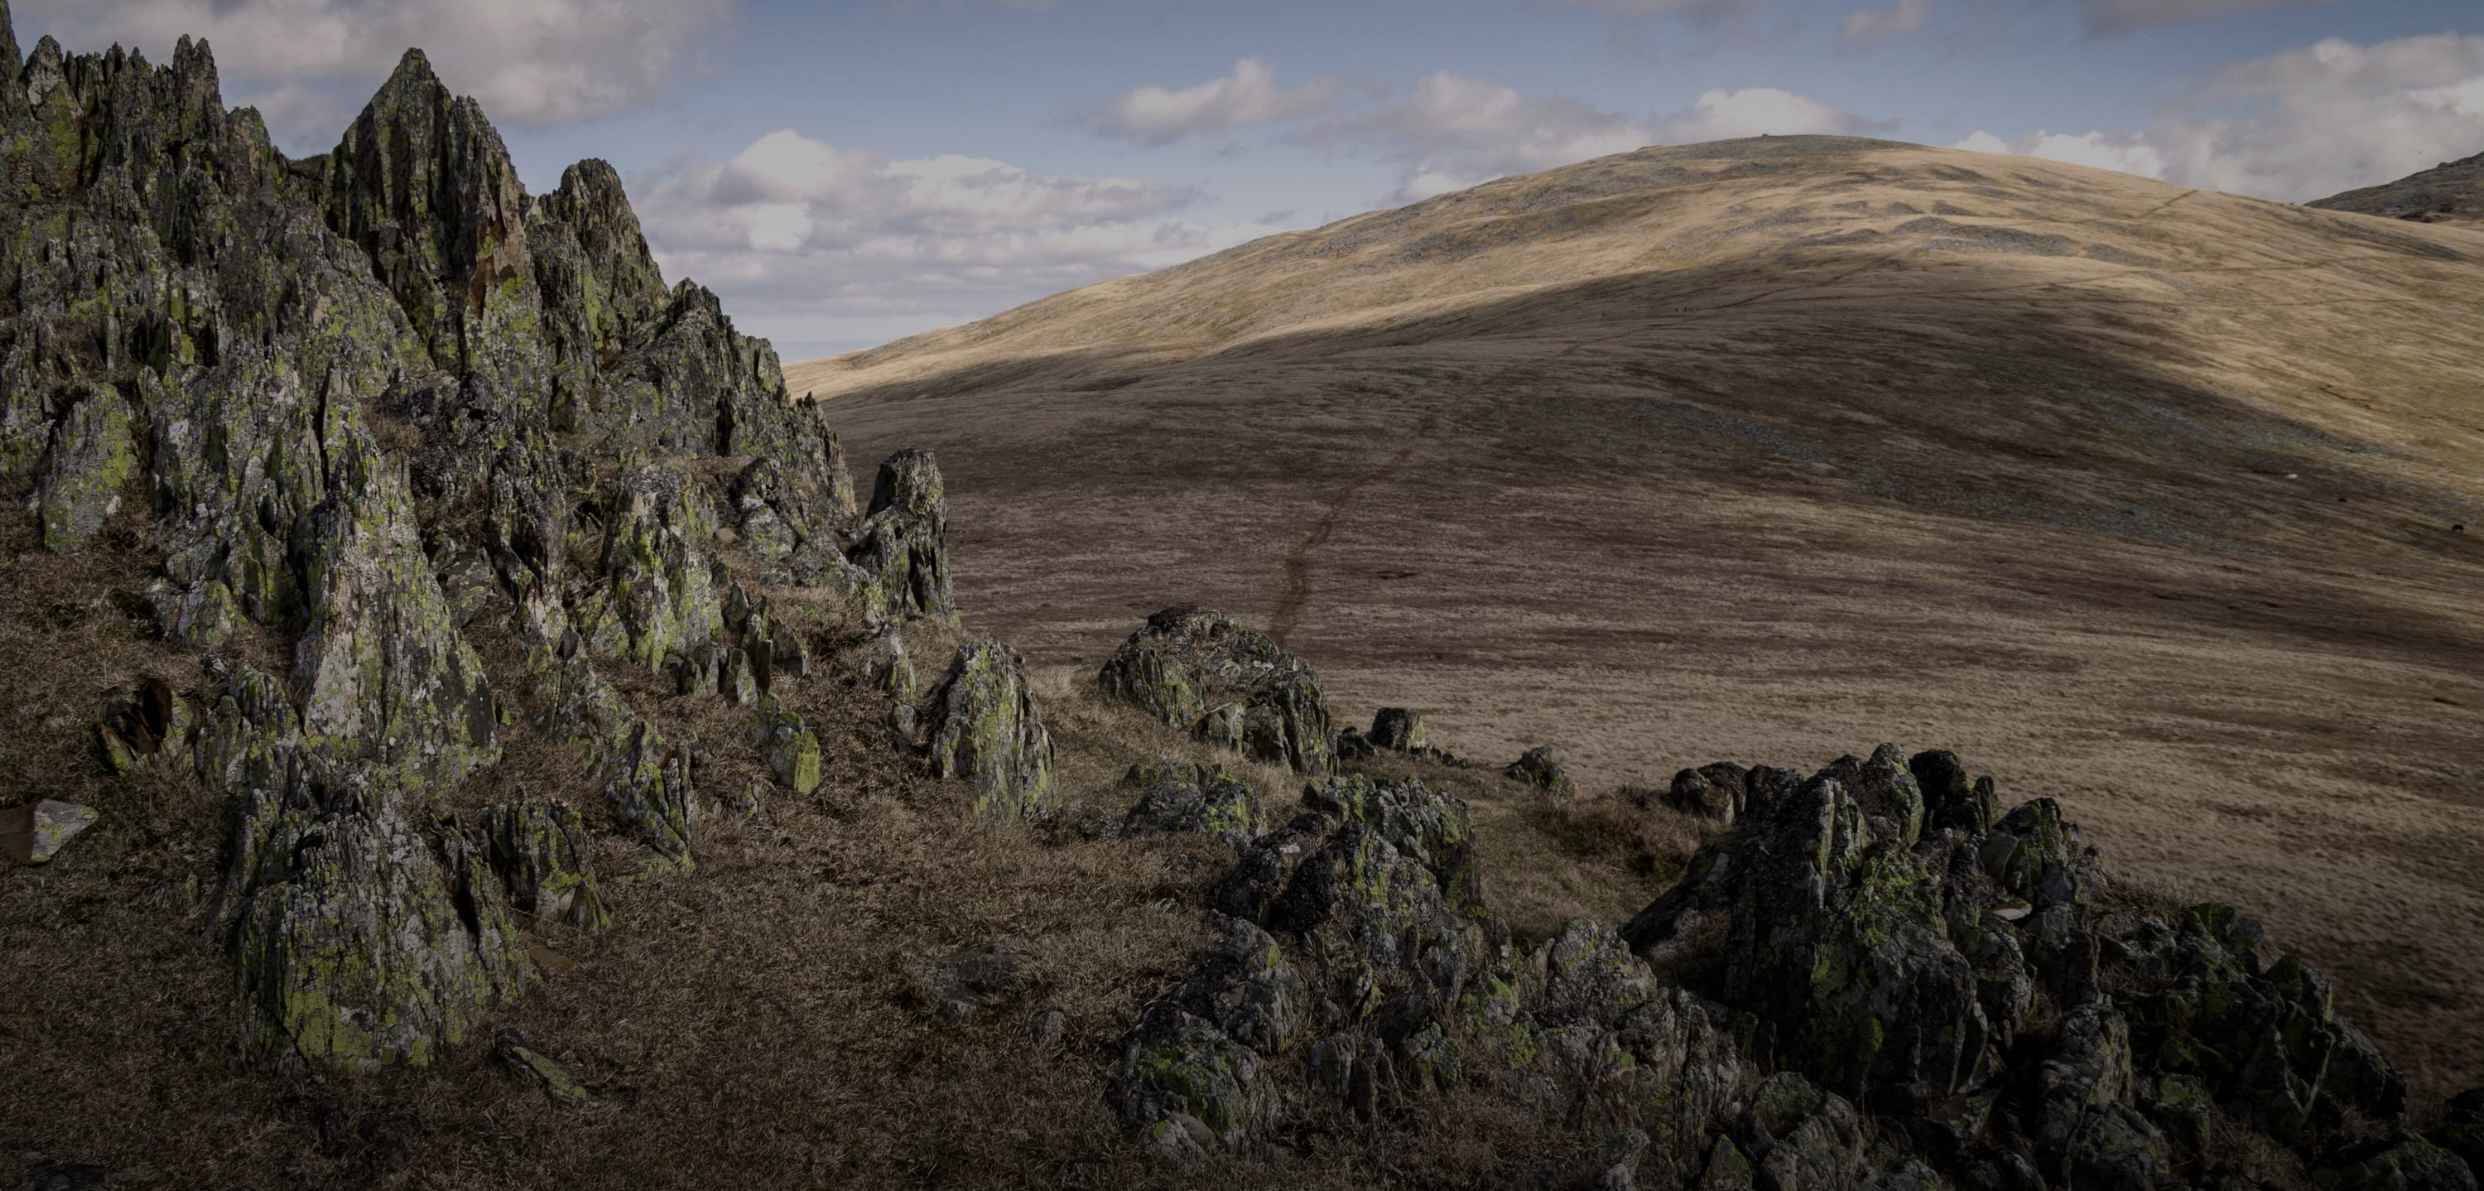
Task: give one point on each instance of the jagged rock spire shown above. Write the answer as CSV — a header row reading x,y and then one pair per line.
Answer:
x,y
423,184
9,57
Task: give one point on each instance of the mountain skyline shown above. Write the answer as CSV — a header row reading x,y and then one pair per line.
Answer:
x,y
796,159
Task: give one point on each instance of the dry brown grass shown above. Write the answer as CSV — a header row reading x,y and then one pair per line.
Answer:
x,y
2134,496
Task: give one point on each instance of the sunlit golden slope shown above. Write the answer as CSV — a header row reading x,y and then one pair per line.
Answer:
x,y
1773,449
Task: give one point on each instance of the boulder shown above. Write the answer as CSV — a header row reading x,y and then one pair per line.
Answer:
x,y
2461,1128
1206,674
1179,796
35,833
789,747
1709,792
1541,769
1398,730
375,946
984,728
903,543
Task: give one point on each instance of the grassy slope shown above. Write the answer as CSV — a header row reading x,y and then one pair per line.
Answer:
x,y
1772,449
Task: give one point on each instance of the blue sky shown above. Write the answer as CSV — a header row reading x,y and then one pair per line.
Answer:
x,y
847,173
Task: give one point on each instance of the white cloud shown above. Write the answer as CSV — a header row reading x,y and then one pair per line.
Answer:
x,y
825,248
2126,154
1154,115
2304,124
1872,24
1454,131
1756,111
2107,17
311,63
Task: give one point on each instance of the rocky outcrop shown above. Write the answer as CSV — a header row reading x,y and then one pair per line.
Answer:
x,y
984,728
1913,969
36,832
365,410
1206,674
1351,969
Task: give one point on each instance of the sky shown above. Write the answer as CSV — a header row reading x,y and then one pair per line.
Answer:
x,y
847,172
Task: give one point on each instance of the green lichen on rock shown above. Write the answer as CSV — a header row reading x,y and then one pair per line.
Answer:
x,y
1206,674
983,727
89,466
375,948
541,849
789,746
1179,796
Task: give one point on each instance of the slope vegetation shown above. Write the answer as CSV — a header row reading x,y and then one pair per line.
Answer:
x,y
2163,502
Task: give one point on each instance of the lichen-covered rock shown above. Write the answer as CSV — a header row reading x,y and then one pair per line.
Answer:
x,y
36,832
984,727
1178,796
1541,770
1205,674
644,781
789,747
1898,946
91,462
542,852
383,669
1399,729
2396,1164
374,947
422,183
662,592
903,542
1709,792
1352,965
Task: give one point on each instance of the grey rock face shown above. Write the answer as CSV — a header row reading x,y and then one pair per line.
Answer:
x,y
1204,673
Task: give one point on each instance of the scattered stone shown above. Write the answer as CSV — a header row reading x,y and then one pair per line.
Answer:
x,y
1206,674
35,833
556,1079
1542,770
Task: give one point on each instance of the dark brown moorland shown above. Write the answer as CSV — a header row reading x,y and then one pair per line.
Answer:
x,y
1767,450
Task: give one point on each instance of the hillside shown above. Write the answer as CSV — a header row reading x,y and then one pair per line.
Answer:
x,y
472,732
2148,497
2451,192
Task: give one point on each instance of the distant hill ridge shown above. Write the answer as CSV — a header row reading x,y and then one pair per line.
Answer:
x,y
2451,192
